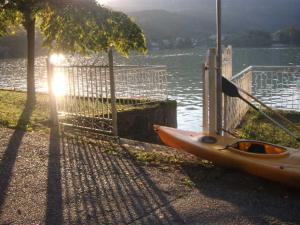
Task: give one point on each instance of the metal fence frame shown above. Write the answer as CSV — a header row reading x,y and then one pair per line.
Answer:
x,y
95,91
262,82
235,109
107,86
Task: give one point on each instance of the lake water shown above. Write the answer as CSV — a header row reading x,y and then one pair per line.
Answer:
x,y
185,73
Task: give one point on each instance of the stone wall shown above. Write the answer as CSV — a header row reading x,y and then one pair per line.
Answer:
x,y
138,124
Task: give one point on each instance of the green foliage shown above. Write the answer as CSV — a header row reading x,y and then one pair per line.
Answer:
x,y
90,28
9,21
256,126
73,26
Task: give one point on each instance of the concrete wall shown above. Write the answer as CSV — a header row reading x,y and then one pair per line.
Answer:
x,y
138,124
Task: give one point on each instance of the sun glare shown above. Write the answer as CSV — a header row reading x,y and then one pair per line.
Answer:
x,y
103,1
57,59
59,84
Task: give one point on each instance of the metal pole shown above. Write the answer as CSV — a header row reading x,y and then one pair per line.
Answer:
x,y
219,67
113,92
205,115
212,91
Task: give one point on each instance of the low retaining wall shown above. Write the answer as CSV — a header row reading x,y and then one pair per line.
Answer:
x,y
138,124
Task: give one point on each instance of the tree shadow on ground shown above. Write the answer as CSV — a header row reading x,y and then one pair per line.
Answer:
x,y
10,155
54,210
256,199
100,186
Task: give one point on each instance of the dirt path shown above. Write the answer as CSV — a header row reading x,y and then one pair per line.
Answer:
x,y
49,180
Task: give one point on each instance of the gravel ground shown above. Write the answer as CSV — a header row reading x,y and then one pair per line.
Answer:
x,y
49,180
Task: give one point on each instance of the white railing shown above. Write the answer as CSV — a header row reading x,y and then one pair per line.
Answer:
x,y
276,86
85,94
136,83
234,108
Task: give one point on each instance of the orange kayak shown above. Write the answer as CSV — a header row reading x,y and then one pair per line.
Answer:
x,y
261,159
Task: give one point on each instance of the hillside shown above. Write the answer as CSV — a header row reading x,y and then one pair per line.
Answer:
x,y
193,18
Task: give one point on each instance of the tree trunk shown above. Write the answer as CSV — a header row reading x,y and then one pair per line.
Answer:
x,y
30,28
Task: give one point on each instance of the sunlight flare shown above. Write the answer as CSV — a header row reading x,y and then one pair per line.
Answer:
x,y
59,84
57,59
103,1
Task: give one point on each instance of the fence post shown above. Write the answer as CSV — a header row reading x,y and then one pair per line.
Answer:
x,y
52,97
212,86
205,118
113,92
227,72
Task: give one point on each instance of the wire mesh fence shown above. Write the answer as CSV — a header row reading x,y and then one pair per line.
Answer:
x,y
136,85
279,89
234,108
83,92
83,97
86,98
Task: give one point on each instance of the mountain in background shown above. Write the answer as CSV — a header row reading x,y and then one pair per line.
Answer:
x,y
196,18
189,23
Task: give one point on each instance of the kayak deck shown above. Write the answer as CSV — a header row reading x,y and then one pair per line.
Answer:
x,y
258,158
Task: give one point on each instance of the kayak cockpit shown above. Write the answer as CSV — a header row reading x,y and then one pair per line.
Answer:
x,y
258,148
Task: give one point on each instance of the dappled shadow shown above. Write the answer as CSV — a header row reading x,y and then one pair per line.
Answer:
x,y
256,199
102,184
9,157
54,210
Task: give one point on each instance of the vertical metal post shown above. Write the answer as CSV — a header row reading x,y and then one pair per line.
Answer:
x,y
228,74
52,97
212,91
205,89
219,69
113,92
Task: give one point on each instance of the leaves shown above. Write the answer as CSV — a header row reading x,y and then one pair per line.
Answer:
x,y
90,28
81,26
9,21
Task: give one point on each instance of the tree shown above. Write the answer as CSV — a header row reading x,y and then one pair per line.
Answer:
x,y
81,26
288,36
254,38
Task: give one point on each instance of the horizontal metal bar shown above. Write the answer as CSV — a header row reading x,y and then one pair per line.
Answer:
x,y
81,66
241,73
284,67
87,128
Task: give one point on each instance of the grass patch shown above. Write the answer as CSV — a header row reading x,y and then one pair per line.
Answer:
x,y
12,105
256,126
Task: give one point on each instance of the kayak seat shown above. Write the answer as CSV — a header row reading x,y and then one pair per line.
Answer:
x,y
257,148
